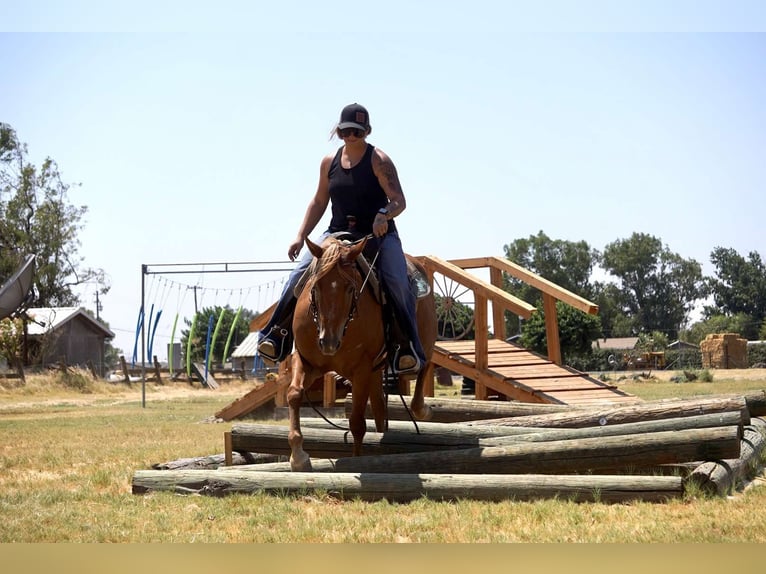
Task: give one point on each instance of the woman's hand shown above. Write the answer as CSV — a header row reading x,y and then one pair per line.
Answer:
x,y
380,225
295,248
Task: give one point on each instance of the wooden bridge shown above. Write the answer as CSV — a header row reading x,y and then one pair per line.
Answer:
x,y
505,368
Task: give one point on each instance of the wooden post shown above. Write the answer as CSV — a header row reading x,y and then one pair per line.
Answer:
x,y
552,328
228,457
329,396
498,314
284,374
125,372
428,383
157,369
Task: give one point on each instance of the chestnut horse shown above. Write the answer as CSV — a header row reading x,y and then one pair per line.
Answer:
x,y
338,326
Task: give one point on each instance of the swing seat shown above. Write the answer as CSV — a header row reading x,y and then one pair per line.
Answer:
x,y
16,293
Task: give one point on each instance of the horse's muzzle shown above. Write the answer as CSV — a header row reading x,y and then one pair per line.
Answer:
x,y
329,345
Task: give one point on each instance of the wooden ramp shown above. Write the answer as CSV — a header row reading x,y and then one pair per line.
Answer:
x,y
260,395
525,376
209,381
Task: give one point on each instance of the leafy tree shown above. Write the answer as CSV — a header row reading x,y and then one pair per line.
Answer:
x,y
658,288
568,264
740,323
36,217
201,324
739,285
614,321
577,331
654,341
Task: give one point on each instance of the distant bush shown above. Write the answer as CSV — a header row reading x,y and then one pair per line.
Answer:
x,y
756,355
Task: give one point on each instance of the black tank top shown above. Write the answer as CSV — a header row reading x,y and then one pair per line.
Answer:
x,y
356,195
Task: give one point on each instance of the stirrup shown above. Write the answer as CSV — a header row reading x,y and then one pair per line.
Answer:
x,y
407,363
272,348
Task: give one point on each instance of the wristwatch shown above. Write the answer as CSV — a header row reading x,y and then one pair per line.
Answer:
x,y
384,212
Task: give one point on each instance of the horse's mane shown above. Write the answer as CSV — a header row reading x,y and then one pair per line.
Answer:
x,y
333,254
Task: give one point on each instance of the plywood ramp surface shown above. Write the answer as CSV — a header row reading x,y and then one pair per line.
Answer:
x,y
525,376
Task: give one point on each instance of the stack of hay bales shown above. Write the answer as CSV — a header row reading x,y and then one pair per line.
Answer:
x,y
724,351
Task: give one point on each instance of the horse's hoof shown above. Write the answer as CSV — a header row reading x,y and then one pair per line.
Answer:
x,y
300,463
424,414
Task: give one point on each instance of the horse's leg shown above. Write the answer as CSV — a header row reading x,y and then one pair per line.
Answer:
x,y
360,392
418,405
377,403
299,459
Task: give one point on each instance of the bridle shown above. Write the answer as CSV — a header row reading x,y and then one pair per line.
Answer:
x,y
350,278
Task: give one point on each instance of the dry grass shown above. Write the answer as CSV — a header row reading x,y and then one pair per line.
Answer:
x,y
67,457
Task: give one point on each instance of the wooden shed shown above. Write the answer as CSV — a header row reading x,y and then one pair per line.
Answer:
x,y
67,334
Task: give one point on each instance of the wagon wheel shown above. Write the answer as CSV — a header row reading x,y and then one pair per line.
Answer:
x,y
452,318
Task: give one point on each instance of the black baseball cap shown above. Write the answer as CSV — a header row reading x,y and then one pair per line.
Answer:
x,y
354,116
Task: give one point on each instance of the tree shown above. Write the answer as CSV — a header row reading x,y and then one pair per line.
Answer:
x,y
577,331
36,217
740,323
201,322
568,264
658,288
739,285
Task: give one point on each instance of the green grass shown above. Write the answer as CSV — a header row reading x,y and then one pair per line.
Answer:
x,y
67,460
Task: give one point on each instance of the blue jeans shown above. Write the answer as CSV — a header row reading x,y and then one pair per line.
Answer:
x,y
392,270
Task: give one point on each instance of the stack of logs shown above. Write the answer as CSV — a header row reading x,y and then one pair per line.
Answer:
x,y
653,451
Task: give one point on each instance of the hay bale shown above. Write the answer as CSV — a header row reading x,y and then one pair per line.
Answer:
x,y
724,351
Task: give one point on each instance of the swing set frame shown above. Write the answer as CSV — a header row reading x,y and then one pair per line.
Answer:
x,y
198,268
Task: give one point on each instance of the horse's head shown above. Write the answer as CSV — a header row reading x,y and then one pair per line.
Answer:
x,y
334,290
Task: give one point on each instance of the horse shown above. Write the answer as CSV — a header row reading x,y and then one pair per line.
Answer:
x,y
338,327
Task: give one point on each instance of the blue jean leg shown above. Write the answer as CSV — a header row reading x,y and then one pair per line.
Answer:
x,y
283,312
392,267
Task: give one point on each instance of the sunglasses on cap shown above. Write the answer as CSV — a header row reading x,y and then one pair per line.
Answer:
x,y
356,132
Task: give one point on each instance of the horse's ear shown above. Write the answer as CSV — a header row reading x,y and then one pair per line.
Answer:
x,y
315,249
357,249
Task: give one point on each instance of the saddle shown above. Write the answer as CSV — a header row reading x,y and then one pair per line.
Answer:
x,y
415,273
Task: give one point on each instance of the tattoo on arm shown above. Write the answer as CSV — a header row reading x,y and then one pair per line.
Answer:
x,y
388,172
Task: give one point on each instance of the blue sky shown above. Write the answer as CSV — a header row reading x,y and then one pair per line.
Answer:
x,y
196,136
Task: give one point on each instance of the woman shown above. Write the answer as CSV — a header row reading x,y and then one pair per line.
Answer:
x,y
360,183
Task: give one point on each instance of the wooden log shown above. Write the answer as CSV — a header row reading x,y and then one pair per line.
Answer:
x,y
334,443
550,457
457,429
408,487
721,477
214,461
447,410
755,400
628,414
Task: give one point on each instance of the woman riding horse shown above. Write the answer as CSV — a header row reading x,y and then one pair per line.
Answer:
x,y
362,184
338,326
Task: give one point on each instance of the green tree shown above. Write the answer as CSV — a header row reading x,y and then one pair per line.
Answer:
x,y
614,321
568,264
36,217
739,285
577,331
740,323
658,288
201,324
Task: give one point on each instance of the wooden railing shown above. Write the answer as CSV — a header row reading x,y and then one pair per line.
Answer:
x,y
502,301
